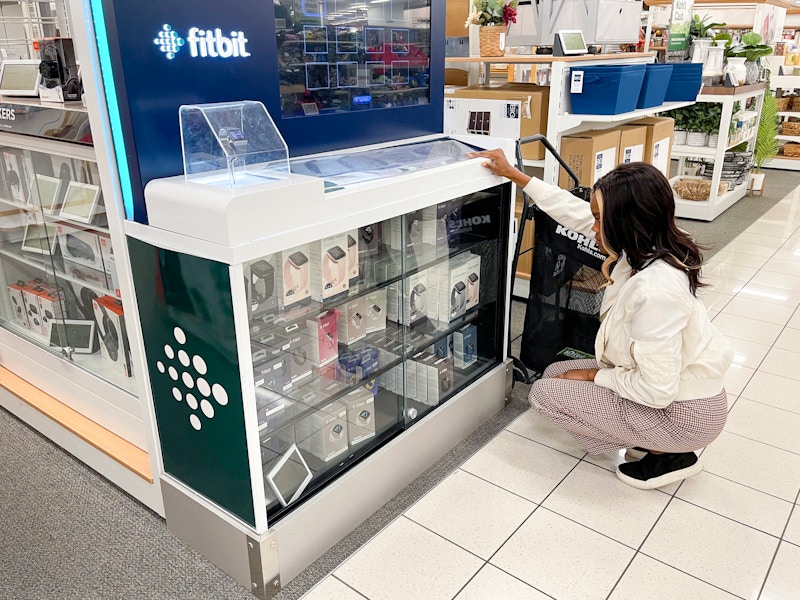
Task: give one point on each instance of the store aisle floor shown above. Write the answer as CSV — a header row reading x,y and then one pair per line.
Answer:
x,y
531,516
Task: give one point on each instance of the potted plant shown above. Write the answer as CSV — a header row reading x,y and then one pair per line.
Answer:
x,y
493,17
696,125
711,123
680,116
766,144
700,30
752,50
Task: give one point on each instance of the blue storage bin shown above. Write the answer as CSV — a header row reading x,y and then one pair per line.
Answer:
x,y
654,86
608,89
685,82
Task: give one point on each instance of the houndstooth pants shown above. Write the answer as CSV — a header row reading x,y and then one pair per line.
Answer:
x,y
604,422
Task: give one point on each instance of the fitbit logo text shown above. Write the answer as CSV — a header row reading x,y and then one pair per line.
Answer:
x,y
210,43
203,43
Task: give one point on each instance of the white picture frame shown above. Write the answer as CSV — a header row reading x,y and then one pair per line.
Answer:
x,y
20,78
35,233
280,471
84,340
80,202
44,192
572,42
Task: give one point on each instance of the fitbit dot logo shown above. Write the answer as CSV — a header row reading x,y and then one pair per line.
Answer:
x,y
203,43
189,375
168,41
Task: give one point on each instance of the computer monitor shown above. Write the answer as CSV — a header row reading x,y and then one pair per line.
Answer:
x,y
20,78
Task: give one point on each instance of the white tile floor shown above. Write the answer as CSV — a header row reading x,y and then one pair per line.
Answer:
x,y
531,516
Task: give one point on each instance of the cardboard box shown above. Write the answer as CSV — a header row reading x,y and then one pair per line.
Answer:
x,y
658,146
590,155
525,262
533,107
632,142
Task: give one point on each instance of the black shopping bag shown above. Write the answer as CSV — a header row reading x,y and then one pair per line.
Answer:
x,y
563,310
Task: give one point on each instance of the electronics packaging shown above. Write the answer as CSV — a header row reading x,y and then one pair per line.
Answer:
x,y
80,246
30,299
360,405
52,308
110,320
434,228
415,298
434,377
324,330
375,303
17,297
273,410
353,321
353,270
259,285
274,373
323,433
465,347
294,281
329,274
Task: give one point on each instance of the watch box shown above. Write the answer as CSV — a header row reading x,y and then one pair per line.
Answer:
x,y
360,405
274,373
353,321
329,274
323,432
294,279
353,269
375,309
260,285
323,329
465,347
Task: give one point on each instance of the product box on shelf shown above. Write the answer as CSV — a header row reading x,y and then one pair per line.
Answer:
x,y
260,285
658,146
16,296
347,371
367,366
323,328
434,378
472,263
590,155
82,272
353,321
294,277
273,410
30,304
323,432
375,303
52,306
465,347
533,108
415,297
369,241
451,289
434,228
360,405
490,117
296,344
80,246
329,274
632,141
274,373
353,270
110,319
441,347
412,384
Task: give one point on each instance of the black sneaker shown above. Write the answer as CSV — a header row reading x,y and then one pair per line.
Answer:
x,y
657,470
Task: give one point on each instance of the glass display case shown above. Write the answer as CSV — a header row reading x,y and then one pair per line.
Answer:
x,y
356,336
319,337
57,260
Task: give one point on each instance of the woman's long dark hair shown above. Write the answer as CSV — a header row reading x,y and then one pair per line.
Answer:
x,y
638,218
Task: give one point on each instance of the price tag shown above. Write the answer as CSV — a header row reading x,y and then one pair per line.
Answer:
x,y
576,85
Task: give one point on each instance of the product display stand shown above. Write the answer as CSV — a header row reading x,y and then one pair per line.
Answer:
x,y
716,204
787,83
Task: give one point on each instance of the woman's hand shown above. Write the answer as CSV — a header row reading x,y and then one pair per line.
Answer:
x,y
498,165
578,374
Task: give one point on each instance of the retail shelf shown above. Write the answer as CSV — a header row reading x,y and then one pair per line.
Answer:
x,y
791,163
528,162
706,210
53,218
569,121
785,82
704,151
790,113
56,148
788,138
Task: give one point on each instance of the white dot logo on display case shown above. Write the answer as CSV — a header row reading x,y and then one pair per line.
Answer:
x,y
190,384
202,43
168,41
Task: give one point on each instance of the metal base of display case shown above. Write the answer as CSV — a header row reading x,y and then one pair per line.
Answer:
x,y
264,563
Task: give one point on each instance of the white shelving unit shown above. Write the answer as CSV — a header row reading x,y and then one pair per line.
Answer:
x,y
716,204
787,83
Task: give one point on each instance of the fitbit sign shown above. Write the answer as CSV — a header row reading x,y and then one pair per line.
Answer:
x,y
202,43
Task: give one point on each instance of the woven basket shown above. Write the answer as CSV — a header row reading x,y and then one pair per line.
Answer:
x,y
697,189
791,149
492,39
794,103
783,103
791,127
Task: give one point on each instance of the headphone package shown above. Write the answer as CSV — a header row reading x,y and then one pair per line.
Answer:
x,y
110,319
52,306
80,246
16,294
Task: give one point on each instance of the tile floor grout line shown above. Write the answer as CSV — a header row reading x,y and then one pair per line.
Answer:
x,y
343,582
740,397
749,487
524,437
713,512
495,484
778,547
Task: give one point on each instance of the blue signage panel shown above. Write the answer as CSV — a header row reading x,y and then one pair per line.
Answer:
x,y
157,55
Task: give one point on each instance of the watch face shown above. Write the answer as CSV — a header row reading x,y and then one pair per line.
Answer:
x,y
473,277
367,233
336,253
459,287
419,288
261,269
236,134
298,259
350,241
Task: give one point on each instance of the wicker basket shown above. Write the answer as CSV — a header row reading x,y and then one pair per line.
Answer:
x,y
791,149
794,103
492,39
697,189
791,127
783,103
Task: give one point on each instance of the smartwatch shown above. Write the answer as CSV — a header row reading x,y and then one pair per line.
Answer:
x,y
374,311
327,340
414,232
262,282
233,140
333,267
357,320
458,299
295,273
367,234
444,386
418,301
365,417
336,431
472,289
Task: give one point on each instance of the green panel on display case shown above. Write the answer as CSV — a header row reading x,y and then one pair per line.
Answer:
x,y
186,312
